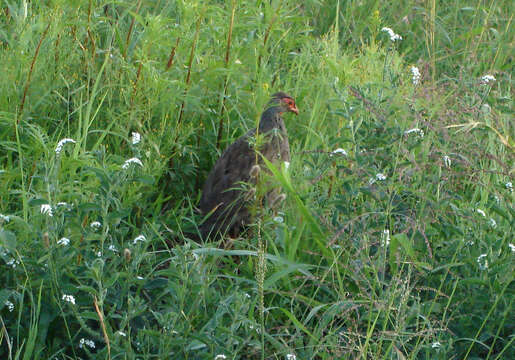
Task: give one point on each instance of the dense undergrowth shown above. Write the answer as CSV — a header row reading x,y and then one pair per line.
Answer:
x,y
396,237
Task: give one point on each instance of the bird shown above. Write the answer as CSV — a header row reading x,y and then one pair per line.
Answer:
x,y
224,201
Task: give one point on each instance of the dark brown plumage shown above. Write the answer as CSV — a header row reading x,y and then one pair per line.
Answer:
x,y
223,194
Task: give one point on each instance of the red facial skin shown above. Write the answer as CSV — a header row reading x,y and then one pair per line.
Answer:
x,y
291,105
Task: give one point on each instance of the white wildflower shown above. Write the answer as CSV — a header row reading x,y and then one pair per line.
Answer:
x,y
95,225
47,210
99,254
481,212
13,263
4,218
339,151
509,186
418,131
512,247
447,161
10,305
136,138
63,241
493,223
291,357
278,219
133,160
86,342
139,238
415,75
237,62
69,298
61,144
385,238
220,357
62,203
248,296
121,333
483,265
139,277
380,176
286,165
436,345
487,78
393,36
112,248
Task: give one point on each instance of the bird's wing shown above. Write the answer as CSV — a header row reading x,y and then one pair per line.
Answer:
x,y
232,168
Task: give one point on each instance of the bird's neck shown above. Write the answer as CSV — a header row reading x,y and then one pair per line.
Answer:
x,y
271,118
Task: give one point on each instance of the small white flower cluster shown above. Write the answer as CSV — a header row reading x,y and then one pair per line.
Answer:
x,y
69,298
415,72
47,210
112,248
492,222
136,138
339,151
95,225
379,177
483,265
385,238
512,247
13,263
86,342
4,218
286,165
447,161
237,62
138,238
417,131
487,78
121,333
509,186
220,357
63,241
278,219
291,357
10,305
436,345
393,36
61,144
130,161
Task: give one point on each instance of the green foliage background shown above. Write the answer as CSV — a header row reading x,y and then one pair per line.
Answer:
x,y
418,265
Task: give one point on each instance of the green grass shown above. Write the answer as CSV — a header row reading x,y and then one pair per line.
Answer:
x,y
416,264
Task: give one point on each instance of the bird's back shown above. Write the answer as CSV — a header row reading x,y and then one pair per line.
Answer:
x,y
222,195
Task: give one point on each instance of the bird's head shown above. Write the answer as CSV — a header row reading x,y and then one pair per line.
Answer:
x,y
285,103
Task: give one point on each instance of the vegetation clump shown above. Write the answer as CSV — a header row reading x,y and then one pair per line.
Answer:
x,y
395,235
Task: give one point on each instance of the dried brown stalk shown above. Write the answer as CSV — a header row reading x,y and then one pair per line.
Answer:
x,y
172,55
227,56
27,83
